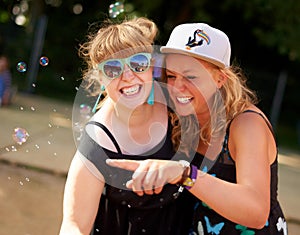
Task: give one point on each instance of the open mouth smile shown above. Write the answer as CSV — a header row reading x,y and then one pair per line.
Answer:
x,y
184,100
130,91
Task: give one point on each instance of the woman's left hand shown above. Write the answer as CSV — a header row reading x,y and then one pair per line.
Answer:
x,y
150,175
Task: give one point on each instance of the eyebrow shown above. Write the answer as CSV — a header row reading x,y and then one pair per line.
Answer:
x,y
187,71
183,72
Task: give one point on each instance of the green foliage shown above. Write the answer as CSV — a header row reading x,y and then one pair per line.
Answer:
x,y
275,23
4,16
264,35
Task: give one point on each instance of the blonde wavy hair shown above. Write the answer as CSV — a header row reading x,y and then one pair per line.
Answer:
x,y
115,40
233,98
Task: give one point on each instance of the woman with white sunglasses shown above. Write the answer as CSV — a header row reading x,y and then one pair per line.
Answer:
x,y
131,123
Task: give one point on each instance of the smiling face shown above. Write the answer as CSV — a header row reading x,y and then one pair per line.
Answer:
x,y
130,89
191,84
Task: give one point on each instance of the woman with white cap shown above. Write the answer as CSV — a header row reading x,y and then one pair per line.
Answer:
x,y
233,174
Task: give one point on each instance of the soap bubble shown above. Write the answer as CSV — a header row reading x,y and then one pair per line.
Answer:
x,y
22,67
85,109
44,61
116,9
20,135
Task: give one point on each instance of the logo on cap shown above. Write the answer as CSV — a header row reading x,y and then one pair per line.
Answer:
x,y
197,41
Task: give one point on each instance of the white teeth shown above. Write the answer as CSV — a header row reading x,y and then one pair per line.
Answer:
x,y
131,90
184,100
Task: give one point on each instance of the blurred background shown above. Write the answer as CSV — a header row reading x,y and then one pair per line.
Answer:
x,y
264,34
41,40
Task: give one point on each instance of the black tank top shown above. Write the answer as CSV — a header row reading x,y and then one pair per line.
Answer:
x,y
207,221
122,212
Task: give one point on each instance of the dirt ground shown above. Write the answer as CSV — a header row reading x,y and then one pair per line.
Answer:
x,y
30,201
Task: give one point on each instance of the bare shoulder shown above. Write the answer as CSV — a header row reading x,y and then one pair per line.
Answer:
x,y
252,129
252,120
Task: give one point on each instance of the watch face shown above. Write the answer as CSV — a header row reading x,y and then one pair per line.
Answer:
x,y
184,163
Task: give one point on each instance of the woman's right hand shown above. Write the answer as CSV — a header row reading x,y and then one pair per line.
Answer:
x,y
149,175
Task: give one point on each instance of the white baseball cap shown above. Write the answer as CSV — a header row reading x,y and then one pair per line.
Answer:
x,y
201,41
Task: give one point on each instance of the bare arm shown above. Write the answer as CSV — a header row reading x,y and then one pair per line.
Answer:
x,y
246,202
150,175
81,199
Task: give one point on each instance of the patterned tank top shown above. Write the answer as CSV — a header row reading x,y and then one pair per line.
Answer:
x,y
207,221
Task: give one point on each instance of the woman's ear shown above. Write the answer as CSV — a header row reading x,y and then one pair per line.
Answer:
x,y
221,80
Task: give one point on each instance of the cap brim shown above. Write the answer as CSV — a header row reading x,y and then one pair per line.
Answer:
x,y
165,49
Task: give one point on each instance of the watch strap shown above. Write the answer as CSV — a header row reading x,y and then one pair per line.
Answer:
x,y
189,175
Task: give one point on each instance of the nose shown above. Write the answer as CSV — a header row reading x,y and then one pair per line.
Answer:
x,y
127,74
179,84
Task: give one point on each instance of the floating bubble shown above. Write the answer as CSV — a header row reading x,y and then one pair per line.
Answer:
x,y
78,127
116,9
85,109
77,9
22,67
20,135
44,61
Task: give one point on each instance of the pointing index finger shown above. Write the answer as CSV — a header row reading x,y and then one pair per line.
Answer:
x,y
130,165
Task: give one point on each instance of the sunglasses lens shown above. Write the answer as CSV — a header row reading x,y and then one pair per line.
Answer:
x,y
113,68
139,63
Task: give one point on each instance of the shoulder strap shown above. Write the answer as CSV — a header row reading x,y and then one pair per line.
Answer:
x,y
109,134
225,143
252,111
268,124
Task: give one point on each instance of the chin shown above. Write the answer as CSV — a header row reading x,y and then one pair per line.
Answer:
x,y
183,112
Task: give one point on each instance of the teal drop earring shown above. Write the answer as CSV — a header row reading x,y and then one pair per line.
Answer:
x,y
150,99
102,88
